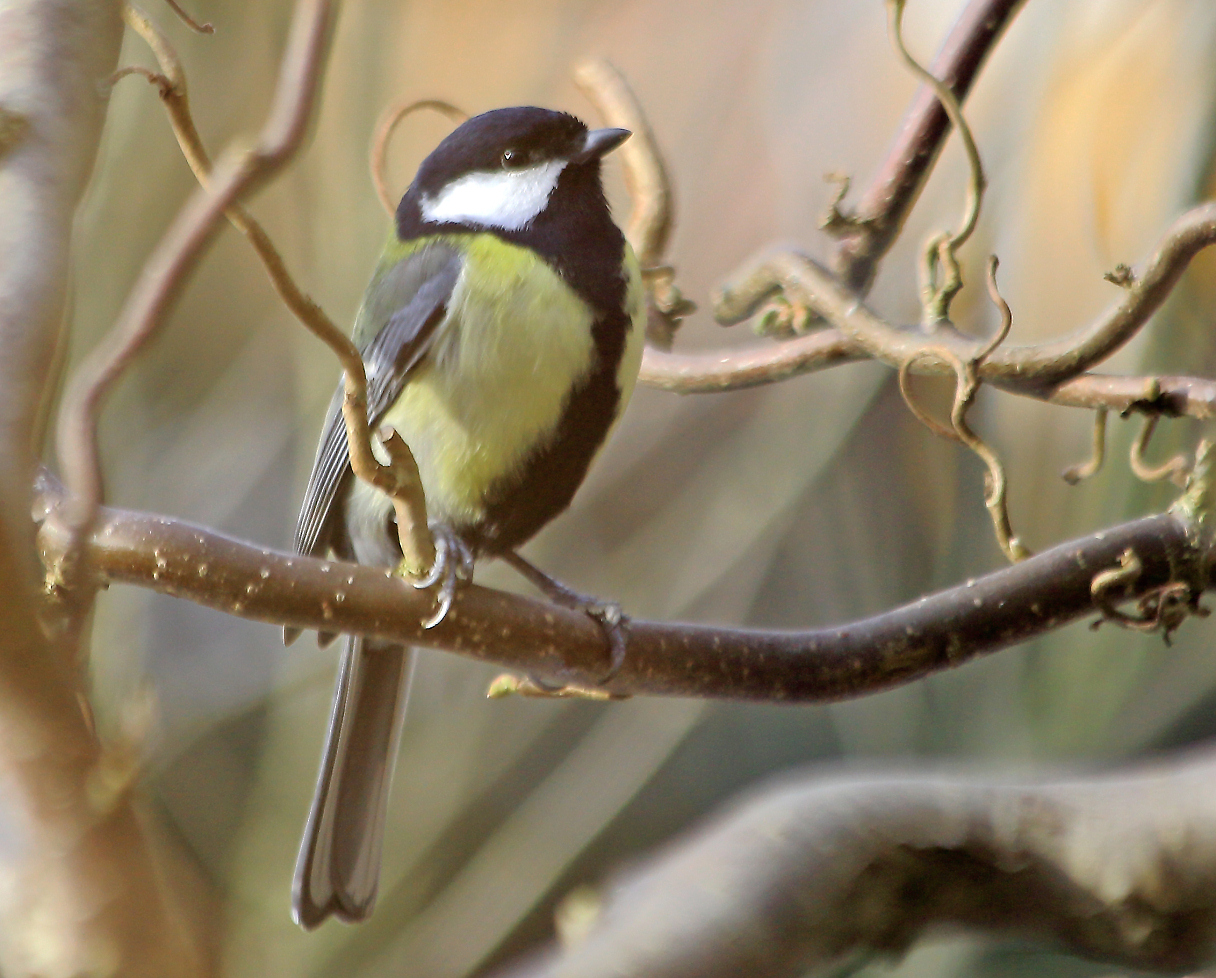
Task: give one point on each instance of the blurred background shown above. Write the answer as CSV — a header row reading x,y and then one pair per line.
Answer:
x,y
802,504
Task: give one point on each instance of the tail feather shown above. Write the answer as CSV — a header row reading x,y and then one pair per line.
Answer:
x,y
338,868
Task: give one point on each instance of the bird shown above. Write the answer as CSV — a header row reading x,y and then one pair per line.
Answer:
x,y
502,335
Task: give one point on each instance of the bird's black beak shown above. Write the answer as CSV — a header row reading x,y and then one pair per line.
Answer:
x,y
599,142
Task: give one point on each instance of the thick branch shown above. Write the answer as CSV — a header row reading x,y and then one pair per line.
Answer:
x,y
729,370
565,647
809,875
84,893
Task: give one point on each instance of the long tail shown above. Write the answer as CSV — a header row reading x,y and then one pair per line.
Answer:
x,y
338,868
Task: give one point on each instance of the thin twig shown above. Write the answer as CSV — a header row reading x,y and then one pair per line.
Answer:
x,y
1084,470
646,177
180,248
189,21
398,479
1174,469
389,120
998,300
940,252
967,385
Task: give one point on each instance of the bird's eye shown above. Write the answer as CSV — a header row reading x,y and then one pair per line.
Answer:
x,y
508,157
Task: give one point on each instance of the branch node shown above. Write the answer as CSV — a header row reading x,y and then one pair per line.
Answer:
x,y
667,305
1122,276
1198,504
1162,609
836,221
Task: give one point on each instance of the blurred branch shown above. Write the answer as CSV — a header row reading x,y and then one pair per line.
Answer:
x,y
565,647
811,875
649,187
866,233
645,172
398,478
180,248
389,120
84,892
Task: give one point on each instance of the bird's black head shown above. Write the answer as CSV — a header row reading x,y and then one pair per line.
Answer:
x,y
499,170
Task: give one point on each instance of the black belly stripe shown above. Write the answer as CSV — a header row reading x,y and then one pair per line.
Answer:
x,y
518,507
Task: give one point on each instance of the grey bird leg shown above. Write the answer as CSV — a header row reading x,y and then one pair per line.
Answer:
x,y
607,614
453,566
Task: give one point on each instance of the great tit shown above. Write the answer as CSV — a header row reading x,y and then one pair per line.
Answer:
x,y
502,334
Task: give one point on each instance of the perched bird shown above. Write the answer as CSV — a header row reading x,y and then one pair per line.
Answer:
x,y
502,334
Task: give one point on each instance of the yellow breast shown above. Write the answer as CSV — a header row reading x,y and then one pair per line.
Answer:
x,y
513,343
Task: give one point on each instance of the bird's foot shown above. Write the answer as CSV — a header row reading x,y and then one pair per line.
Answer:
x,y
453,567
608,615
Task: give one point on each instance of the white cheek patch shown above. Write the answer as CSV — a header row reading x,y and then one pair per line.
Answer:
x,y
508,199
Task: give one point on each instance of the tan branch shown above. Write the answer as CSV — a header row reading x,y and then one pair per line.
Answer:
x,y
389,120
180,248
646,177
649,185
813,875
397,478
84,893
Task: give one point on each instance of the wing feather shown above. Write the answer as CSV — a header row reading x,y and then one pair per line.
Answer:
x,y
422,284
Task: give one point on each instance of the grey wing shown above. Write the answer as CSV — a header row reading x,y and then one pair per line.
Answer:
x,y
412,296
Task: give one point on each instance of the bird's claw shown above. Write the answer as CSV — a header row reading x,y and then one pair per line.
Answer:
x,y
453,566
608,615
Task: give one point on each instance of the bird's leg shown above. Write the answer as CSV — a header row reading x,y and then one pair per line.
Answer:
x,y
453,566
607,614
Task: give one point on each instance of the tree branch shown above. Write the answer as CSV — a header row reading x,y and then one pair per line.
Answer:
x,y
566,648
85,895
398,477
814,874
895,188
866,234
179,250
